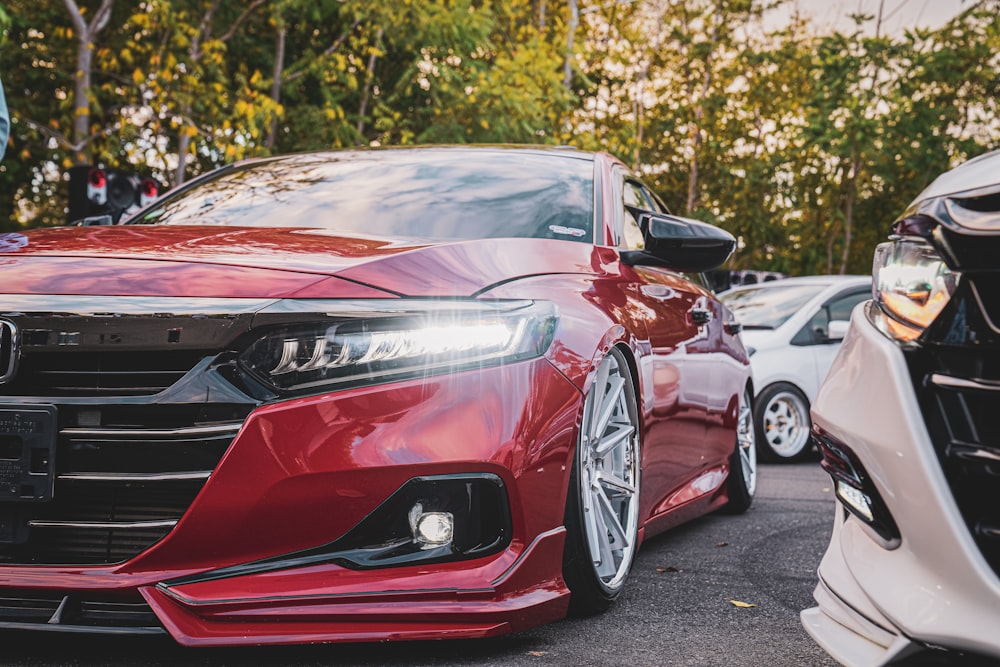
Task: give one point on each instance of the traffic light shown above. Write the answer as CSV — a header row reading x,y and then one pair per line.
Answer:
x,y
97,191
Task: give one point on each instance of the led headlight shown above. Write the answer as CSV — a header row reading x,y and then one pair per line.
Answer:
x,y
911,284
423,338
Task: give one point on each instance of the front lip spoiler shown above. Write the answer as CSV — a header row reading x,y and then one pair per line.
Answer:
x,y
84,629
435,608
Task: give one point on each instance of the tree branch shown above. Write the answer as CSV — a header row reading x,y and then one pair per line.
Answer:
x,y
76,17
337,43
101,18
241,20
204,31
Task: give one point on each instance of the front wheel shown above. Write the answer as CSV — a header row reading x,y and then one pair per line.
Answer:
x,y
602,508
742,482
783,425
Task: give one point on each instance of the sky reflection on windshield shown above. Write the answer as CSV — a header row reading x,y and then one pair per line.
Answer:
x,y
438,194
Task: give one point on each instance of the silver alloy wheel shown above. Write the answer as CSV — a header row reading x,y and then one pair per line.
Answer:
x,y
745,440
786,424
609,472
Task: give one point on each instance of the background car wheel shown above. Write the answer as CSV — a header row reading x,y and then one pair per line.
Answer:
x,y
782,416
742,482
602,508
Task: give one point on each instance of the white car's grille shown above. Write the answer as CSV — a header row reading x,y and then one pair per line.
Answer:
x,y
957,378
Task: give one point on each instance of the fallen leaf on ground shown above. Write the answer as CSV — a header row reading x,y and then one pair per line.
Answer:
x,y
742,605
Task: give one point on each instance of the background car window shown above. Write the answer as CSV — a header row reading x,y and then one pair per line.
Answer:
x,y
817,331
768,307
434,195
840,309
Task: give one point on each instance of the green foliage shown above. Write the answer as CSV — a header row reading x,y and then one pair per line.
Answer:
x,y
804,145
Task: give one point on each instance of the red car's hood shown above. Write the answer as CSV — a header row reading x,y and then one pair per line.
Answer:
x,y
250,262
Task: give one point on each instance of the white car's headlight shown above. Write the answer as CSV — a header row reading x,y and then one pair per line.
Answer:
x,y
416,339
911,284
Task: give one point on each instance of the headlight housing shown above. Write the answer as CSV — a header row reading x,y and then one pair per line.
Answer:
x,y
367,342
911,284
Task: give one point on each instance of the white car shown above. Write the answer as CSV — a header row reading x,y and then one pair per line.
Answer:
x,y
792,329
908,422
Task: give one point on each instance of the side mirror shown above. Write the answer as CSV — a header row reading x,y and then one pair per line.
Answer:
x,y
680,244
837,330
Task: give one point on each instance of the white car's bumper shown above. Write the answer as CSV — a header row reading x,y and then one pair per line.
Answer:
x,y
880,600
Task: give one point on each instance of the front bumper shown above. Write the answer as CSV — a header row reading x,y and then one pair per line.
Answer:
x,y
880,602
302,473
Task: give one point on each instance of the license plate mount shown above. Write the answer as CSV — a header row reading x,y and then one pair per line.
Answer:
x,y
27,453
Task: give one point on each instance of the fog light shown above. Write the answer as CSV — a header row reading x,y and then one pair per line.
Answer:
x,y
857,499
855,489
431,529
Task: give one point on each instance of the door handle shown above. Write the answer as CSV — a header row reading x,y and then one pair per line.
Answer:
x,y
701,316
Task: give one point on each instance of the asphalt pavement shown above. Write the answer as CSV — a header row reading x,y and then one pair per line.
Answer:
x,y
721,590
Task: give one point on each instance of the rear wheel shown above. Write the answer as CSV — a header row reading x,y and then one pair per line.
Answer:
x,y
782,416
742,482
602,508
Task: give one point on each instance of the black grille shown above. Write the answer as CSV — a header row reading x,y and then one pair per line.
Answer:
x,y
118,487
131,403
958,386
974,253
75,373
96,612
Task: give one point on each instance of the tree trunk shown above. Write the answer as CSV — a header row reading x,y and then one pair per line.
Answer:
x,y
640,115
81,100
699,116
829,251
183,146
574,21
369,78
849,201
85,34
279,64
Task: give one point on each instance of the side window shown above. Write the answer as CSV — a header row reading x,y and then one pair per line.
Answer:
x,y
840,308
633,198
816,331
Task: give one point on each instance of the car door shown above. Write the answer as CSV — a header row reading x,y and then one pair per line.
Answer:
x,y
682,325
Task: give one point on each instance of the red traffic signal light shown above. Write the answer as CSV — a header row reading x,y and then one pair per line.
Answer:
x,y
96,191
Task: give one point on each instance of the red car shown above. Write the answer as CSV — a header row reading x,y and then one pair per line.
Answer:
x,y
370,395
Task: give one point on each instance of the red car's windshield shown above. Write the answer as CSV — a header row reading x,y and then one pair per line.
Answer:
x,y
440,194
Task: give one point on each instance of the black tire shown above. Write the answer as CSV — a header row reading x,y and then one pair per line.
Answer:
x,y
596,581
781,414
742,481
